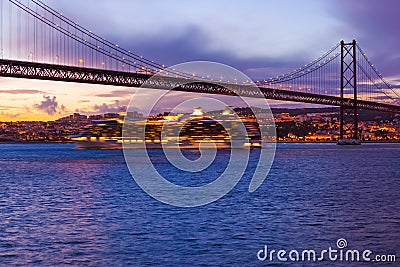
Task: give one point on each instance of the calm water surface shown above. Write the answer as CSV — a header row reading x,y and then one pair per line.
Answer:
x,y
60,206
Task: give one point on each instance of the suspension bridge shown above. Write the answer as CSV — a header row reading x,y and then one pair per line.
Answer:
x,y
37,42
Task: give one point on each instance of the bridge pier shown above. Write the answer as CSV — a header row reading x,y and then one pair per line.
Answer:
x,y
348,87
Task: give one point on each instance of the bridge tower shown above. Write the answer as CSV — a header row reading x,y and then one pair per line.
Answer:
x,y
348,89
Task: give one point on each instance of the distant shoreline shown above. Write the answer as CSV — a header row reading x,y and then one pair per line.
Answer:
x,y
35,142
278,142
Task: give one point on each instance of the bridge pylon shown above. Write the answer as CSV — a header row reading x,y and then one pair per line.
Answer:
x,y
348,89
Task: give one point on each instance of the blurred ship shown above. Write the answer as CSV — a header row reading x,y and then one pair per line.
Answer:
x,y
101,134
190,131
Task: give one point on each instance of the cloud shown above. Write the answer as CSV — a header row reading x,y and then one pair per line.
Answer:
x,y
7,107
63,109
109,108
247,36
189,46
9,115
49,105
118,93
375,26
239,34
22,91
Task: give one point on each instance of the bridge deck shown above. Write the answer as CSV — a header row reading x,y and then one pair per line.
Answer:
x,y
41,71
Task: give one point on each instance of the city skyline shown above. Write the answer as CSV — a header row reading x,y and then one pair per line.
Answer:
x,y
243,35
292,125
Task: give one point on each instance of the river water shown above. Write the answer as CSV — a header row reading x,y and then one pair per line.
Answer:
x,y
60,206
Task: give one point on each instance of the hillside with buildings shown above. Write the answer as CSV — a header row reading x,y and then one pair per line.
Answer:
x,y
293,125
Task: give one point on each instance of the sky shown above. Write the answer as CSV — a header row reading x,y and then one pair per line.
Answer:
x,y
262,38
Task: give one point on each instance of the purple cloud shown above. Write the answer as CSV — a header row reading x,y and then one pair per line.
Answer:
x,y
109,108
375,26
22,91
117,93
9,115
48,105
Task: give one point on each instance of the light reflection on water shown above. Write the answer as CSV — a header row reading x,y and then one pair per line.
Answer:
x,y
61,206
